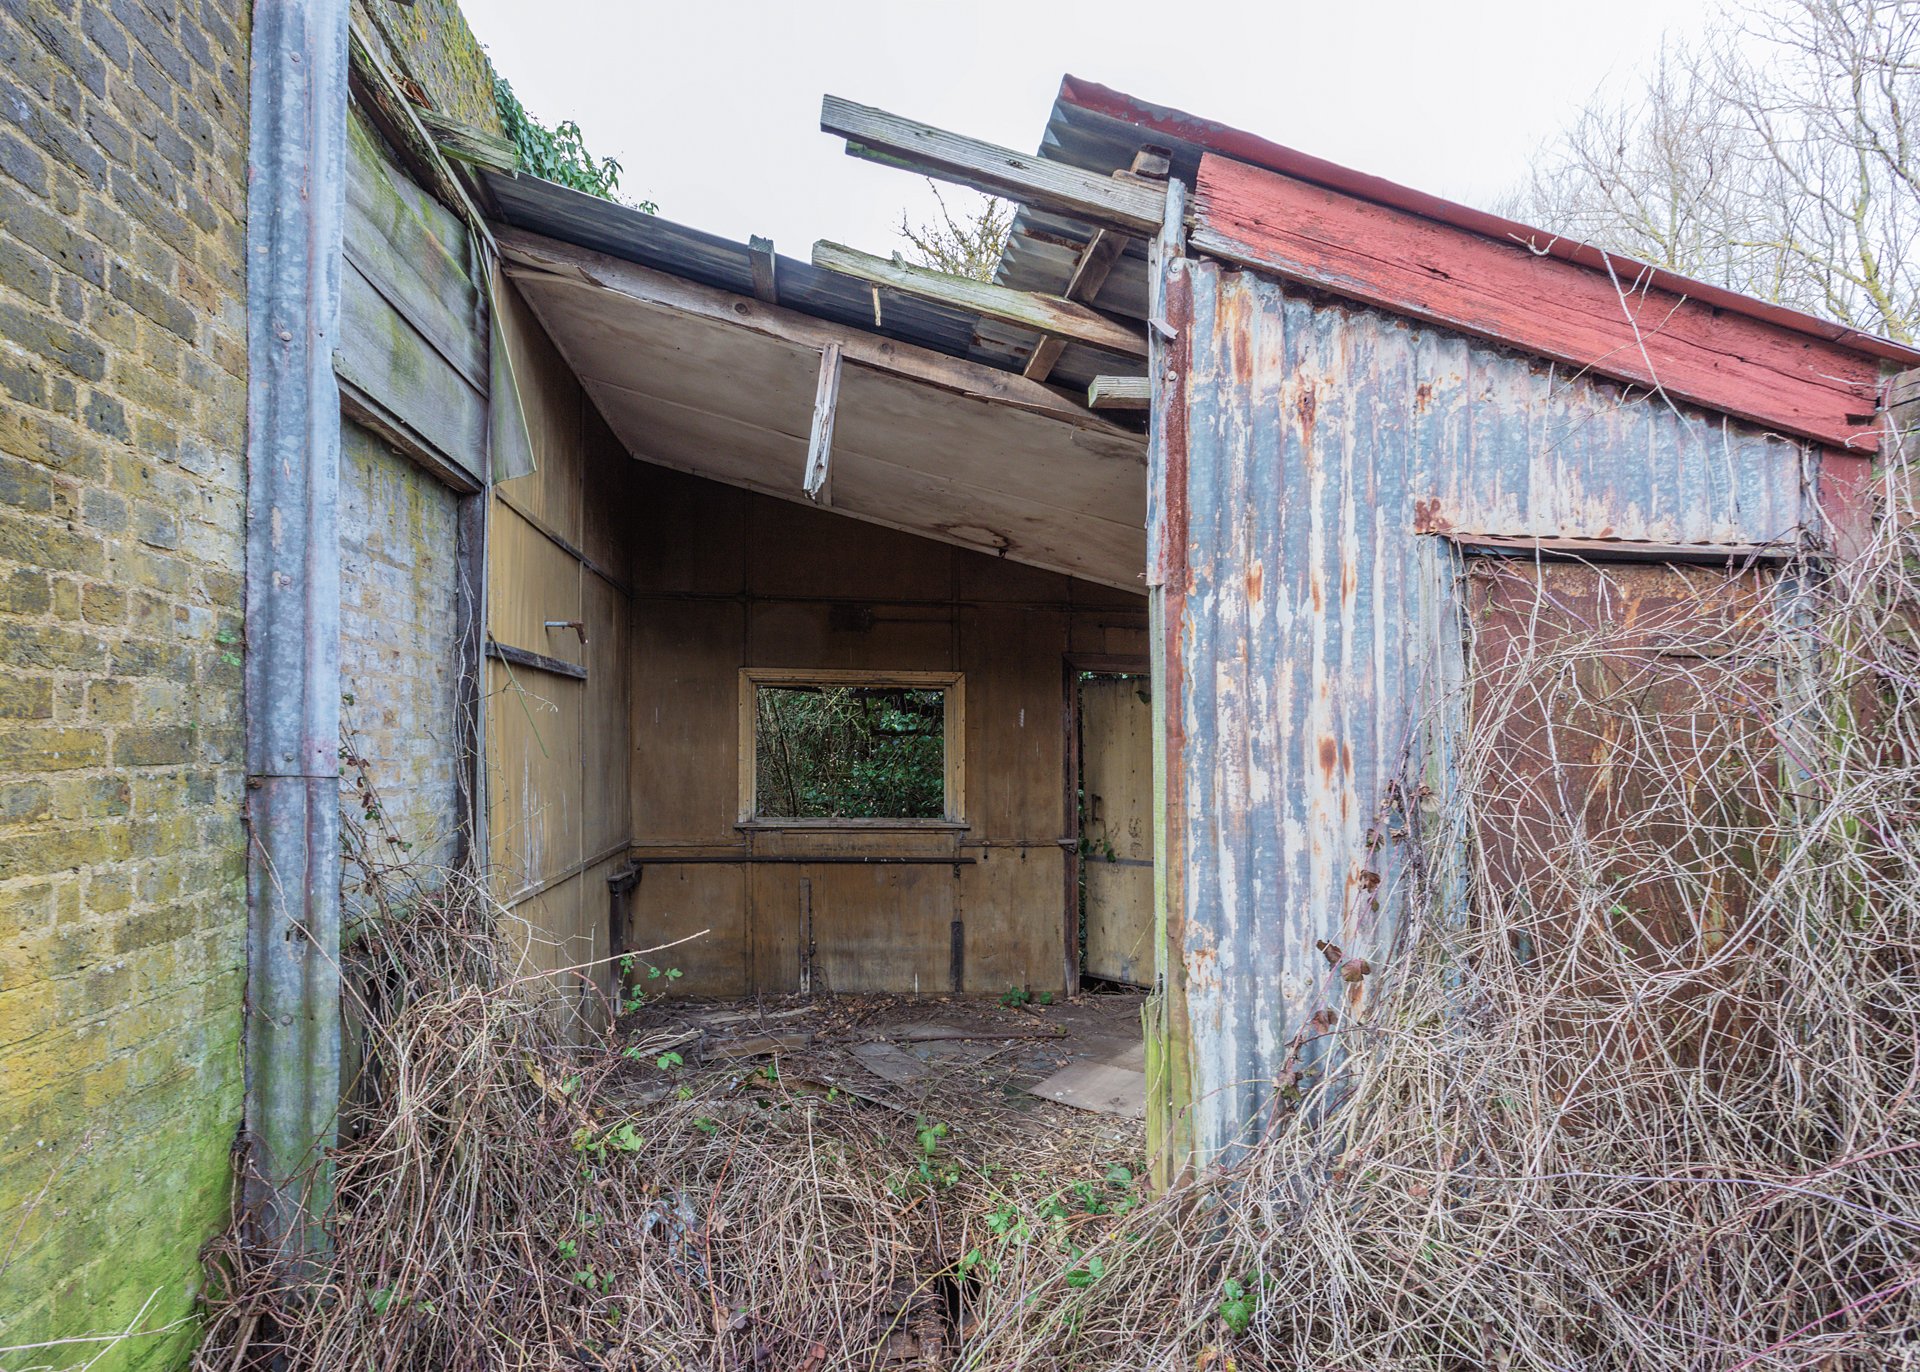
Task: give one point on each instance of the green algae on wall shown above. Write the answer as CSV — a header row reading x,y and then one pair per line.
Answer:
x,y
123,158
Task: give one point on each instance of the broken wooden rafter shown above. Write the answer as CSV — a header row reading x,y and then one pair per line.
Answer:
x,y
1046,314
1103,200
529,253
818,481
1120,393
1089,275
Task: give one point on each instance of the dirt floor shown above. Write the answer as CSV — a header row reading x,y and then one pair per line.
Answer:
x,y
1059,1085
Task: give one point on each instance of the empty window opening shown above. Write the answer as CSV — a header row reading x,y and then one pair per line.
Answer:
x,y
844,750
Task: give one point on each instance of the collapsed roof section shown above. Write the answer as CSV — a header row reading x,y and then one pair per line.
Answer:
x,y
959,409
723,360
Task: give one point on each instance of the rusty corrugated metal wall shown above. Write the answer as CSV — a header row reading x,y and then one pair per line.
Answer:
x,y
1311,629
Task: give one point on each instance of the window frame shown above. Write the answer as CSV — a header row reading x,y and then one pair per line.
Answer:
x,y
952,730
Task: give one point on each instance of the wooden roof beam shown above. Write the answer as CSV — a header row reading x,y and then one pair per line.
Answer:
x,y
1107,201
1120,393
1046,314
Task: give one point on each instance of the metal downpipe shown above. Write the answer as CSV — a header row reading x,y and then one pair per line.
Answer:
x,y
296,204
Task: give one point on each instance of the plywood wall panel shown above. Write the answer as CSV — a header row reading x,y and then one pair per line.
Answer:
x,y
534,794
605,746
1016,727
532,580
1013,904
798,551
995,578
886,929
665,505
553,403
776,938
875,637
686,670
610,482
700,909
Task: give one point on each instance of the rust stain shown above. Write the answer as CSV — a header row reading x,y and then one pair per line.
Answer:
x,y
1256,579
1422,396
1349,580
1304,405
1329,757
1314,590
1428,518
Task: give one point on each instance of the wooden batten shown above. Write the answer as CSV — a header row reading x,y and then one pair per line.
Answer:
x,y
766,286
1046,314
1120,393
1090,273
1597,321
875,135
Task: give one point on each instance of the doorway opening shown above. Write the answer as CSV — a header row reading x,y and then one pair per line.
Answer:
x,y
1110,922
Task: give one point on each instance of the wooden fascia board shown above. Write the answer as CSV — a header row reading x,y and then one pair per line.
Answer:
x,y
1045,314
879,136
1503,292
530,255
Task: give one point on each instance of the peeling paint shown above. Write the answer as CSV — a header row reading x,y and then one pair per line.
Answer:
x,y
1322,446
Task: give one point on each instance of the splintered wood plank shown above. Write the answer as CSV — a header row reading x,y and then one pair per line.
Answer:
x,y
761,1045
1617,327
1047,314
879,136
818,480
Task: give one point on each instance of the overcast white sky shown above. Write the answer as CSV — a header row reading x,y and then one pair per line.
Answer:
x,y
713,109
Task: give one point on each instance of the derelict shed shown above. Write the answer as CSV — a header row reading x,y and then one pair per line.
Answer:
x,y
1363,402
827,497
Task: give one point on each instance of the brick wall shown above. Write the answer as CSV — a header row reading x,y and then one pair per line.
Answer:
x,y
399,643
122,432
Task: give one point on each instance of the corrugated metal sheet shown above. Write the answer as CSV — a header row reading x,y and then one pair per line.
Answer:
x,y
1042,249
527,202
1317,632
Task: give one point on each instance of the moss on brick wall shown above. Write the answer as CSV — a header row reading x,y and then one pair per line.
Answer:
x,y
122,860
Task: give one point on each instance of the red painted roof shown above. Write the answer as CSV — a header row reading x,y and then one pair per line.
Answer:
x,y
1233,143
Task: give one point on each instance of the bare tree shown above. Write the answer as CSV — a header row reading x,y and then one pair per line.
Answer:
x,y
1780,157
967,245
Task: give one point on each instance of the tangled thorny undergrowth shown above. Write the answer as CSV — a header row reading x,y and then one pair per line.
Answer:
x,y
1635,1085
